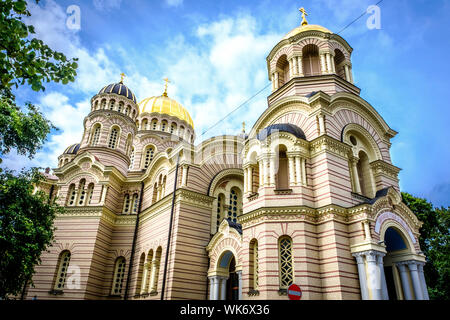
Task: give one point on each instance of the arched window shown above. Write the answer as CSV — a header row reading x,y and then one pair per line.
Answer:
x,y
285,261
282,176
364,172
144,124
127,110
148,156
112,104
95,105
283,70
71,195
173,127
155,270
81,192
163,125
90,192
220,210
119,275
155,193
140,276
61,271
311,60
181,133
103,104
113,138
253,264
235,205
96,134
120,108
133,114
339,62
126,204
131,159
135,203
154,124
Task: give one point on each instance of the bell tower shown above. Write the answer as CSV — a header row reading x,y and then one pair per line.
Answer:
x,y
308,59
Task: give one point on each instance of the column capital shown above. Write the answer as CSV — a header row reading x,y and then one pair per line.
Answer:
x,y
359,257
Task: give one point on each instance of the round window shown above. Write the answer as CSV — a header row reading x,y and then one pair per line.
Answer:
x,y
353,140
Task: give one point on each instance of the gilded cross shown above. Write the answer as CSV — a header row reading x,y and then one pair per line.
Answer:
x,y
243,126
165,86
304,14
122,76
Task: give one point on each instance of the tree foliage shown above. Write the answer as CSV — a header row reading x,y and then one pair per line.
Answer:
x,y
26,218
26,228
435,243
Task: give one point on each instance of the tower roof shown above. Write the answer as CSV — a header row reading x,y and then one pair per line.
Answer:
x,y
120,89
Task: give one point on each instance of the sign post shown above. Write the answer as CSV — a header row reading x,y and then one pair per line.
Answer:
x,y
294,292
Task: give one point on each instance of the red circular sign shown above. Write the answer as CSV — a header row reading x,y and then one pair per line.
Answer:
x,y
294,292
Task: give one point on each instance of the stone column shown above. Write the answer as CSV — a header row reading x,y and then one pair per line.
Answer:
x,y
422,281
347,73
350,74
291,67
329,67
239,273
266,171
276,80
418,292
323,64
245,180
223,288
304,180
291,171
211,287
261,173
405,281
333,66
300,66
272,171
362,275
384,292
184,176
295,66
321,124
250,179
353,162
298,170
374,274
216,288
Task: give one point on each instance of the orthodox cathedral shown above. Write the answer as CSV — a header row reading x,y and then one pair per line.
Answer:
x,y
309,196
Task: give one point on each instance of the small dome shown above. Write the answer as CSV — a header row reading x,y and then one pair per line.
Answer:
x,y
165,105
281,127
308,27
73,149
120,89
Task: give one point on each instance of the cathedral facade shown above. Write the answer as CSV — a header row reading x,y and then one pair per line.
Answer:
x,y
308,196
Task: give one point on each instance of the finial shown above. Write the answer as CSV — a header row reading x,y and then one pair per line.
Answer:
x,y
243,126
165,86
122,76
304,14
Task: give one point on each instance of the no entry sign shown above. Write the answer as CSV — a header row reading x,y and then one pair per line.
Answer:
x,y
294,292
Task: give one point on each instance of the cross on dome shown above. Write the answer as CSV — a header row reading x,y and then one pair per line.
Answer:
x,y
165,86
122,76
304,14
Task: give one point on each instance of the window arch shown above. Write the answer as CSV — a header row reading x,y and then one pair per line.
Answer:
x,y
220,210
285,262
96,134
173,127
95,105
61,271
311,60
154,124
127,110
133,114
283,70
81,192
155,270
126,204
253,264
135,203
235,204
71,195
103,104
90,192
148,156
144,124
339,62
119,275
163,125
112,104
114,137
282,176
120,107
140,277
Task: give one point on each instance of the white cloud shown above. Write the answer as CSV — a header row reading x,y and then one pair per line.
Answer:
x,y
174,3
107,4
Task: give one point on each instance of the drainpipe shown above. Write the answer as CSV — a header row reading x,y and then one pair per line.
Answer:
x,y
133,247
170,228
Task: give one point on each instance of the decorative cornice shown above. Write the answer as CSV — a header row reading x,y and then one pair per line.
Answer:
x,y
327,143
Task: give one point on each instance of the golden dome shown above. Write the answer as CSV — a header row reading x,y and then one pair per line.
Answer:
x,y
307,27
165,105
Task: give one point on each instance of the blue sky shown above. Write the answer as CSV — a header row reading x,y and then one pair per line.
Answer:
x,y
214,53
